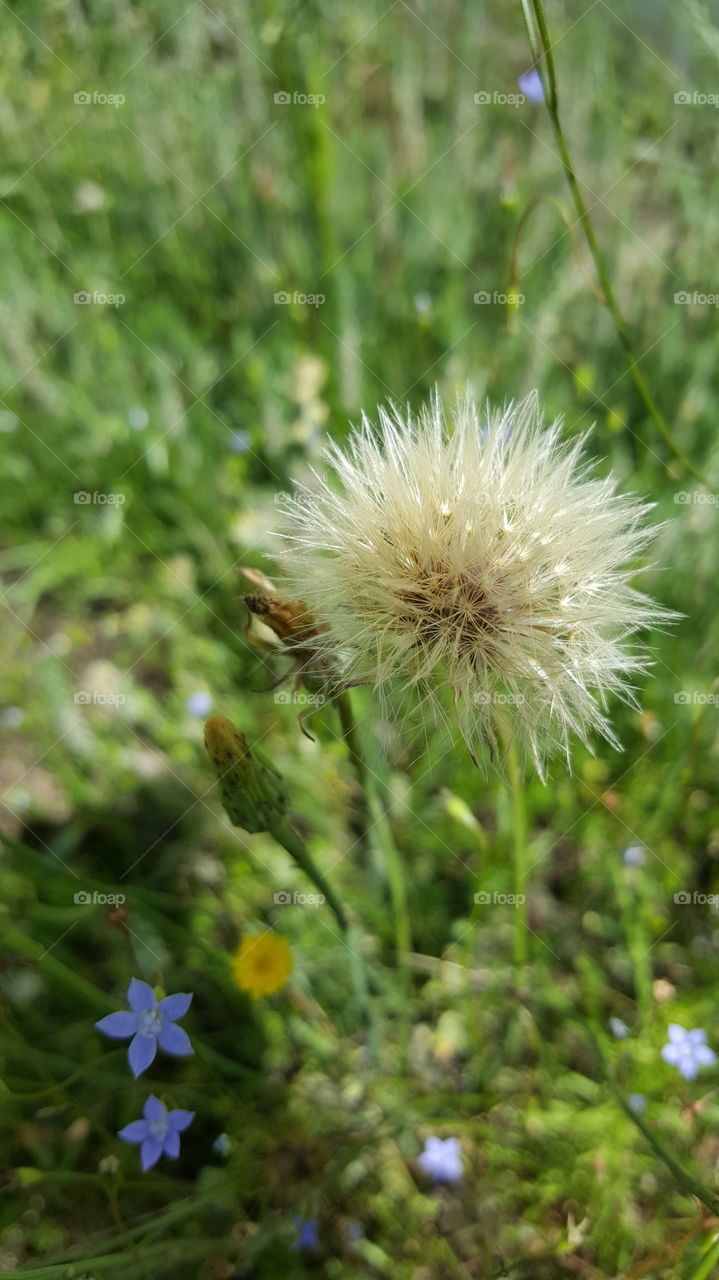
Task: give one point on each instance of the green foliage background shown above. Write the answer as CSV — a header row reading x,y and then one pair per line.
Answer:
x,y
198,199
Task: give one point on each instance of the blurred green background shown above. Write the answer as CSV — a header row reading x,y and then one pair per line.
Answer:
x,y
144,442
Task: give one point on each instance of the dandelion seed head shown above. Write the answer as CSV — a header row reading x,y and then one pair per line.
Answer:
x,y
480,559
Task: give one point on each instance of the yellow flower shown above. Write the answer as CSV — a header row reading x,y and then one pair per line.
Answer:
x,y
262,964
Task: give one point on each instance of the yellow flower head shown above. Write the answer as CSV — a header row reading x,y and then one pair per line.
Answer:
x,y
262,964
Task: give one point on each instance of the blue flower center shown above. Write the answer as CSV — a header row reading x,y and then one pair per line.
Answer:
x,y
149,1023
159,1128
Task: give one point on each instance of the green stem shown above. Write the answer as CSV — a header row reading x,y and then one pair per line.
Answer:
x,y
681,1175
519,858
688,1183
288,838
519,845
285,835
351,739
542,52
66,977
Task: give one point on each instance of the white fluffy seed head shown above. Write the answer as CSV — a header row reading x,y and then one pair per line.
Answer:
x,y
481,560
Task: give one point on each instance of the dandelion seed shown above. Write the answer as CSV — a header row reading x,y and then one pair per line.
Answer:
x,y
481,561
159,1132
150,1024
442,1159
262,964
687,1050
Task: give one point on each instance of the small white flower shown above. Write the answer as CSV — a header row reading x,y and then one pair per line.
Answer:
x,y
482,559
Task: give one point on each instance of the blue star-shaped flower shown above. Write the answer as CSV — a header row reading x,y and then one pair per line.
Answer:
x,y
442,1159
149,1024
159,1132
687,1050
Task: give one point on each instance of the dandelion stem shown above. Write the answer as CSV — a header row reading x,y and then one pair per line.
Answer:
x,y
376,820
541,46
351,739
285,835
519,848
519,845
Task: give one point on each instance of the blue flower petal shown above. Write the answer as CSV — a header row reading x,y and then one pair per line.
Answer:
x,y
180,1119
136,1131
171,1145
141,1053
697,1037
118,1025
173,1007
140,996
153,1109
174,1040
531,85
150,1153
